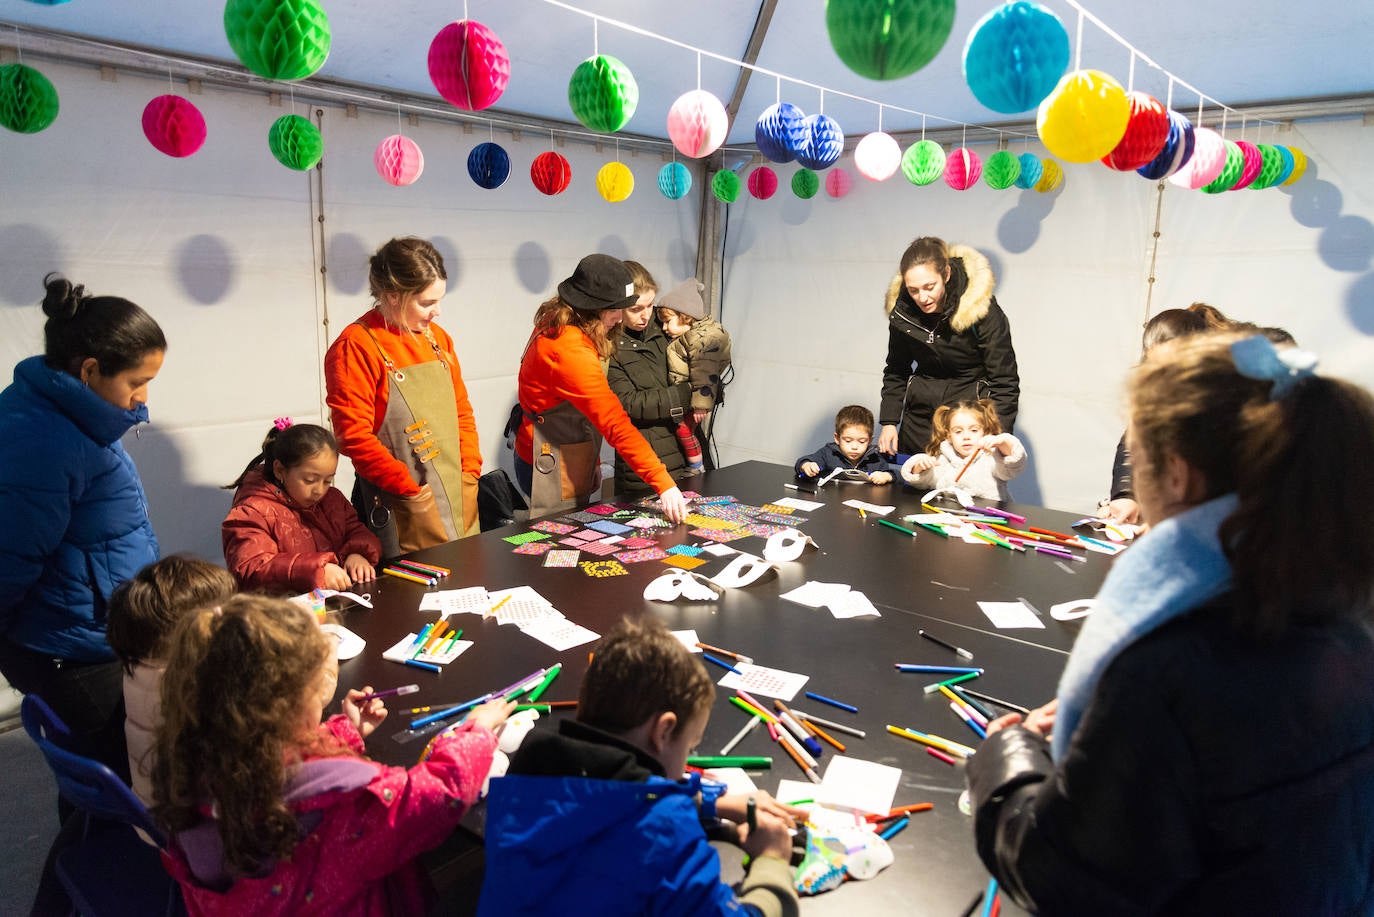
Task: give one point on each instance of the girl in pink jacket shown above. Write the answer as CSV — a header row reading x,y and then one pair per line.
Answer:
x,y
290,529
272,812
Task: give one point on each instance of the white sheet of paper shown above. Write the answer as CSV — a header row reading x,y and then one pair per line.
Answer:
x,y
869,507
815,594
473,600
560,633
790,791
734,778
1009,615
758,679
688,638
858,784
854,605
805,506
718,550
522,613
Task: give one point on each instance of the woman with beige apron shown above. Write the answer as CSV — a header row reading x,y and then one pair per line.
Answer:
x,y
567,407
400,409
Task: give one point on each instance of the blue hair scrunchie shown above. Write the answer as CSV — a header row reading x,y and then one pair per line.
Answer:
x,y
1257,358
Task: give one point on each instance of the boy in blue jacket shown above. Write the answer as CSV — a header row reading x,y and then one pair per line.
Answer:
x,y
596,819
852,451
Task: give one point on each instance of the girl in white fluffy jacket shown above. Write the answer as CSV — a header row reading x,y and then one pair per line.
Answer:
x,y
967,443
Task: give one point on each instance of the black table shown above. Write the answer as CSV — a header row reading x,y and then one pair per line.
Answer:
x,y
925,582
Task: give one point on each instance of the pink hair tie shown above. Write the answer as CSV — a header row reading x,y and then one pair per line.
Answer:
x,y
281,423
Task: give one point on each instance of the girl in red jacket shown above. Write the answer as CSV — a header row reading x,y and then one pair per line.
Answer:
x,y
272,812
290,529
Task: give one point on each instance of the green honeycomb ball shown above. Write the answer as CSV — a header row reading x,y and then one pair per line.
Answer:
x,y
603,93
295,142
28,99
278,39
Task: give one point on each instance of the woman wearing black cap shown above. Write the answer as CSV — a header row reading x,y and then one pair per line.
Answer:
x,y
566,405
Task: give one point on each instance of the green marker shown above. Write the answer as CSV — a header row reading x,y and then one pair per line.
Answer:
x,y
900,528
745,761
931,689
538,708
548,680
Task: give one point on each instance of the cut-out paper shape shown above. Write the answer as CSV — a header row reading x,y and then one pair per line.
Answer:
x,y
677,584
742,571
786,546
1011,615
1072,611
815,594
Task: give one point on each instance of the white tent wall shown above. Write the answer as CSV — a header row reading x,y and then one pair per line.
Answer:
x,y
804,285
218,247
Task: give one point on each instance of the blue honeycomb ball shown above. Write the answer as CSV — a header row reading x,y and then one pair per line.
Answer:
x,y
489,165
1015,55
781,132
824,142
1031,170
674,181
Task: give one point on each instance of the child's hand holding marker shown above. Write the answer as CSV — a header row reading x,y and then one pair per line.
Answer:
x,y
364,710
810,469
735,806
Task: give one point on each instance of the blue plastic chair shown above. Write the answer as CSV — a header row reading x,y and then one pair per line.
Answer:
x,y
110,870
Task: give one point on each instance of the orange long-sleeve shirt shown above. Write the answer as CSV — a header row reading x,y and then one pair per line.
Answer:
x,y
567,368
358,392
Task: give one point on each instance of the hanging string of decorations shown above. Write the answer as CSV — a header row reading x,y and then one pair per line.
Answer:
x,y
1015,59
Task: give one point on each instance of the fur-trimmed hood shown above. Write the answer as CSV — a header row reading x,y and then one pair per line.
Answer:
x,y
978,288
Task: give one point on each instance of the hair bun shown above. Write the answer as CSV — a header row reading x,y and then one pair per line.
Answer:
x,y
63,299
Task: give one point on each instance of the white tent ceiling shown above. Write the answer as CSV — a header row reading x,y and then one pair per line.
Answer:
x,y
1240,53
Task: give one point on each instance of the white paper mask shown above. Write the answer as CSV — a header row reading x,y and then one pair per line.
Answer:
x,y
742,571
677,584
785,546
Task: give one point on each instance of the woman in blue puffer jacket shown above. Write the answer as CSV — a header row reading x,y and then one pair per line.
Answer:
x,y
75,517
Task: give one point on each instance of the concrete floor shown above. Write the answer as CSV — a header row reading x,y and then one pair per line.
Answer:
x,y
28,817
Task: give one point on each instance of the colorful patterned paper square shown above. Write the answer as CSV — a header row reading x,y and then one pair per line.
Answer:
x,y
763,529
643,554
586,535
707,522
553,528
686,550
561,558
718,535
777,510
602,568
708,501
534,547
602,509
686,563
601,548
583,516
634,544
649,522
789,521
572,542
609,527
525,538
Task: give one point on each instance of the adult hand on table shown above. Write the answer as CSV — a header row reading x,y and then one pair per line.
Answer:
x,y
887,439
673,504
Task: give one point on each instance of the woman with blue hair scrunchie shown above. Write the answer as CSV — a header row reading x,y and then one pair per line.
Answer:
x,y
1211,749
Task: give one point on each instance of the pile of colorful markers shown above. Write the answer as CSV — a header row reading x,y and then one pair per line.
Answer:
x,y
798,734
416,572
1000,528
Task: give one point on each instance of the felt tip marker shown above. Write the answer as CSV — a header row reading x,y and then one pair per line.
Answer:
x,y
722,663
958,651
417,664
389,692
832,702
936,669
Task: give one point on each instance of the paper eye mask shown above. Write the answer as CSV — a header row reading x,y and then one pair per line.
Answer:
x,y
743,570
684,584
785,546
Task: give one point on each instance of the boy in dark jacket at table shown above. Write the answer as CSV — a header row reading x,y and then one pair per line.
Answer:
x,y
598,818
852,449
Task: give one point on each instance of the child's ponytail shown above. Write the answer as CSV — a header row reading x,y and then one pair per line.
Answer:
x,y
289,443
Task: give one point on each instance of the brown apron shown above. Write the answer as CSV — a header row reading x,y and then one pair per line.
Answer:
x,y
420,429
566,455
